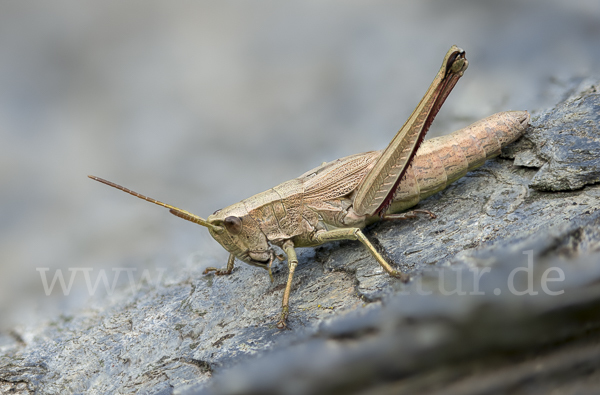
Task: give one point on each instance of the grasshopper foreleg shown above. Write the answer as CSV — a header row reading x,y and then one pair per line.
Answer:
x,y
288,247
222,272
357,234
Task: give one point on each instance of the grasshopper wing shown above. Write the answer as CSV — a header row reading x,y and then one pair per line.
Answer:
x,y
338,178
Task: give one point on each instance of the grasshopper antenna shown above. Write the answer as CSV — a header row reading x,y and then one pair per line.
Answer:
x,y
172,209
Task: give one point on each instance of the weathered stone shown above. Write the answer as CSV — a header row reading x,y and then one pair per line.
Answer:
x,y
567,139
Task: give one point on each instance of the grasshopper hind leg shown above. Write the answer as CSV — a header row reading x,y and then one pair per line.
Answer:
x,y
224,271
407,215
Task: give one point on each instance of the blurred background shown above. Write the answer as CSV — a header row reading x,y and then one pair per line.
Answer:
x,y
202,104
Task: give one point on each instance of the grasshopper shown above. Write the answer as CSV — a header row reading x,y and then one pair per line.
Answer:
x,y
337,199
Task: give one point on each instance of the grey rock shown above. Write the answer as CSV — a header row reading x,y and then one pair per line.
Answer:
x,y
567,142
459,326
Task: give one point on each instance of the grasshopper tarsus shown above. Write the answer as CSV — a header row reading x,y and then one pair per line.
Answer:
x,y
431,215
401,276
282,324
217,272
223,271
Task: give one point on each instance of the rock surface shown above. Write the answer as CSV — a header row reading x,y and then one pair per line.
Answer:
x,y
504,297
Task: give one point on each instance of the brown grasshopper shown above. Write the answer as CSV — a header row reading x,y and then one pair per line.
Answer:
x,y
337,199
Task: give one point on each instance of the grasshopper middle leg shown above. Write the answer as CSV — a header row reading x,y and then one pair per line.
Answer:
x,y
357,234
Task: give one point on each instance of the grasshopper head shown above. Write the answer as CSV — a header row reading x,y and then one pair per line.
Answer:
x,y
239,234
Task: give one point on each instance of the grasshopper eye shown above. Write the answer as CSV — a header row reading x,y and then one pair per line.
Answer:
x,y
233,224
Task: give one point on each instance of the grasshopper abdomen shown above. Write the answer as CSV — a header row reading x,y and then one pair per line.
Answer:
x,y
443,160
